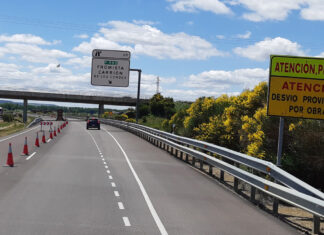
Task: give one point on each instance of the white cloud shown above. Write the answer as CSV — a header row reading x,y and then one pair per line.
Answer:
x,y
262,10
80,62
82,36
220,37
24,38
221,80
150,41
34,53
143,22
214,6
261,51
247,35
314,11
258,10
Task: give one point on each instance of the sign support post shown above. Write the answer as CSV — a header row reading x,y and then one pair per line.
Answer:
x,y
280,140
138,92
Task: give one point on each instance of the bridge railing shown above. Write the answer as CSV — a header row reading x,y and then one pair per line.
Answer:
x,y
297,192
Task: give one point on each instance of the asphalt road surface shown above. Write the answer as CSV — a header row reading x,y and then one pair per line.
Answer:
x,y
109,181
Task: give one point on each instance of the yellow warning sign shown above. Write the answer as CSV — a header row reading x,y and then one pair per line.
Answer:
x,y
296,87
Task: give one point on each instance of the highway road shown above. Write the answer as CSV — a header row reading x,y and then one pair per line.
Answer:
x,y
109,181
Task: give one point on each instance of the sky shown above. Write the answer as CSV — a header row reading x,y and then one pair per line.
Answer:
x,y
196,47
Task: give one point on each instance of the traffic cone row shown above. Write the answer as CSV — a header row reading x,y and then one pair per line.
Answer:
x,y
10,161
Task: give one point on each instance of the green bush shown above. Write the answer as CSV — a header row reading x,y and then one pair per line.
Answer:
x,y
8,117
130,120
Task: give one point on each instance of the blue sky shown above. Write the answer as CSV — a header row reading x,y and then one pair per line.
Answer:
x,y
196,47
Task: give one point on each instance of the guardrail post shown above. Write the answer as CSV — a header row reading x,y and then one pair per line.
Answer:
x,y
210,172
221,177
181,155
252,196
176,153
193,162
275,206
171,150
316,224
236,183
187,158
201,164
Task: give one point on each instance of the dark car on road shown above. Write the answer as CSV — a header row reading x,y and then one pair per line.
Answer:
x,y
93,123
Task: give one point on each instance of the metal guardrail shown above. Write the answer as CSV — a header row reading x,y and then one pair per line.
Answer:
x,y
260,165
289,195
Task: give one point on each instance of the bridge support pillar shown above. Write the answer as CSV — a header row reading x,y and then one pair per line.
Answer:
x,y
25,111
100,110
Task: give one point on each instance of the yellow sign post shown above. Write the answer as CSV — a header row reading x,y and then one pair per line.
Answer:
x,y
296,87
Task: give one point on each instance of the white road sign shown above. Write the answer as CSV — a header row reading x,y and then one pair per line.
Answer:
x,y
110,68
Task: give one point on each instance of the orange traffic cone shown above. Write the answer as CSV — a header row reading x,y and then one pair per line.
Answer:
x,y
25,151
51,135
37,140
54,131
43,138
10,161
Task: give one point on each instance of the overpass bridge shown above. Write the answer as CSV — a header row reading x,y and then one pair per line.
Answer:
x,y
85,99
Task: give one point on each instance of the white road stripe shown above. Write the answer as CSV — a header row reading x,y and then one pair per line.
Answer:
x,y
141,186
116,193
113,185
19,134
126,221
110,177
31,156
106,166
49,140
95,143
108,171
105,163
121,206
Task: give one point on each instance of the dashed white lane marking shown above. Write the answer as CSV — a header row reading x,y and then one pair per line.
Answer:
x,y
110,177
116,193
49,140
141,186
31,155
113,185
126,221
106,166
121,206
105,163
108,171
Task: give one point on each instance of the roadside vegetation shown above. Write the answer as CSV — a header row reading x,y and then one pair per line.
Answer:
x,y
12,123
241,123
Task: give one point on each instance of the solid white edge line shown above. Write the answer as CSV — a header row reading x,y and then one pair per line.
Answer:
x,y
18,134
31,156
126,221
141,186
94,141
121,206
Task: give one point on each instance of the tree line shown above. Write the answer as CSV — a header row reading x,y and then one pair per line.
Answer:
x,y
241,123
